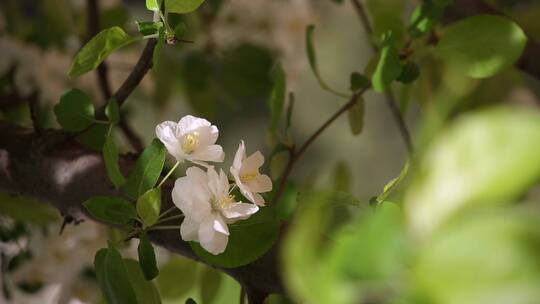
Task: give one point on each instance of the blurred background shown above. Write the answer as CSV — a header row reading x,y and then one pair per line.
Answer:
x,y
224,76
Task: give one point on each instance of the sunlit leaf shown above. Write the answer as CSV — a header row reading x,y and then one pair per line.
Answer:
x,y
97,49
145,291
182,6
147,170
149,206
483,45
168,282
153,5
209,284
388,67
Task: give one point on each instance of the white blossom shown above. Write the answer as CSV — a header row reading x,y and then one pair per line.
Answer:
x,y
208,206
192,139
249,180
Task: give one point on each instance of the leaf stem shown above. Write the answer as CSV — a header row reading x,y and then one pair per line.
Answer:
x,y
164,228
166,212
168,174
170,218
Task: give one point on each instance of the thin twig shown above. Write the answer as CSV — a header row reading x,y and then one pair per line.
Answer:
x,y
390,98
296,155
93,29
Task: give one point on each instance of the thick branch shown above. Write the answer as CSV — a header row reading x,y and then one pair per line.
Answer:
x,y
54,168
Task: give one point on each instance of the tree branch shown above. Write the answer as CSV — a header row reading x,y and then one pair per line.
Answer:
x,y
390,98
52,167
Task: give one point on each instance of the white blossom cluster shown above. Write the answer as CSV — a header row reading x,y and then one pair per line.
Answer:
x,y
205,196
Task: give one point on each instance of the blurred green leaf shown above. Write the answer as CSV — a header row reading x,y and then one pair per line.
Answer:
x,y
112,210
94,137
26,209
342,177
153,5
359,81
149,206
426,16
110,155
276,99
113,277
248,240
175,278
484,158
113,111
483,45
386,15
190,301
210,282
182,6
389,187
97,49
147,257
147,170
482,258
75,112
288,202
388,67
145,291
409,73
159,47
355,115
149,27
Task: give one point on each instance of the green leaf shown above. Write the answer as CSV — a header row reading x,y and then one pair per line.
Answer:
x,y
147,257
426,16
145,291
113,111
153,5
112,210
75,112
190,301
341,176
389,187
182,6
277,96
386,15
168,282
499,249
147,28
97,49
94,138
409,73
359,81
147,170
388,67
110,155
288,202
210,283
149,206
113,277
26,209
483,45
159,46
248,240
356,114
487,158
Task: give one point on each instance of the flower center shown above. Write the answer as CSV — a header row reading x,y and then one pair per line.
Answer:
x,y
223,202
246,177
190,142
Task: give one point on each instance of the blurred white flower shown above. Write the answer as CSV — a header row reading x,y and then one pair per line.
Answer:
x,y
192,139
208,207
249,180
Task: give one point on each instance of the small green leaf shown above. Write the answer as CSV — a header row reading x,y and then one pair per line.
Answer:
x,y
113,111
147,257
409,73
386,15
355,114
94,137
113,278
190,301
426,16
147,28
149,206
389,187
210,283
288,202
359,81
388,67
483,45
159,46
110,155
75,112
277,97
112,210
145,291
153,5
182,6
147,170
97,49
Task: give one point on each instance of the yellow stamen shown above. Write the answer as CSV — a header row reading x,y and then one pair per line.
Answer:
x,y
223,202
190,142
246,177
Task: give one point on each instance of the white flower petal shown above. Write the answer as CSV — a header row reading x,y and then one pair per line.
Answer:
x,y
261,183
166,133
190,123
252,162
239,157
208,135
240,211
210,239
192,195
189,230
213,153
258,199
